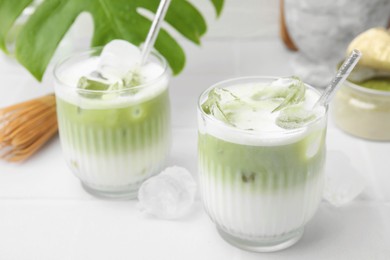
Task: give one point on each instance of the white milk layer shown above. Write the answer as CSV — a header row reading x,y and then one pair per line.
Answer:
x,y
103,166
252,215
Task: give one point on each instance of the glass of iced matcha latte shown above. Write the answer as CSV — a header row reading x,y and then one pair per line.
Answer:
x,y
114,117
261,157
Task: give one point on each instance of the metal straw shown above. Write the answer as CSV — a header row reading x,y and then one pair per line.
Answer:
x,y
154,30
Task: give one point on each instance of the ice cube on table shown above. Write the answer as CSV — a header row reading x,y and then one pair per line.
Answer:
x,y
169,195
118,58
342,187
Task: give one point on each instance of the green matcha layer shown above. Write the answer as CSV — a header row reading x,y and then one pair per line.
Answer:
x,y
115,130
261,168
382,84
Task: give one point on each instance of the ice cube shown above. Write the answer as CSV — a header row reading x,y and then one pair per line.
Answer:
x,y
118,58
294,117
96,86
283,82
97,75
343,183
278,89
92,87
295,94
133,78
314,142
169,195
343,188
213,106
286,91
92,84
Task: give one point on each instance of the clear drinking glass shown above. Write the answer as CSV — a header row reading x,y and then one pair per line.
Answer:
x,y
112,140
363,112
260,188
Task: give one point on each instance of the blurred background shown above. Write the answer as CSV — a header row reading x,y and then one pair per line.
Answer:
x,y
307,38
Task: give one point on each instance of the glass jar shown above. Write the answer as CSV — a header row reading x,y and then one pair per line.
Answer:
x,y
363,112
322,31
112,140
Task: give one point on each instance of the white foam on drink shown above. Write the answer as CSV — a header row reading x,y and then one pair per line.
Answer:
x,y
155,83
258,127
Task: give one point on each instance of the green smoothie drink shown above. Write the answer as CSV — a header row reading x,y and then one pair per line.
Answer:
x,y
114,118
261,155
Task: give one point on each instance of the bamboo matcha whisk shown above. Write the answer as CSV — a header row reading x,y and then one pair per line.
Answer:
x,y
26,127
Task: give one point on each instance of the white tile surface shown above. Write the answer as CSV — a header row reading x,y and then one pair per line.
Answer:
x,y
73,229
44,213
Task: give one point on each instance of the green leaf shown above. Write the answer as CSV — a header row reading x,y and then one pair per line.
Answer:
x,y
113,19
218,4
192,25
9,12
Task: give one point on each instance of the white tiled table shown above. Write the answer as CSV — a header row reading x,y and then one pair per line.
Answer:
x,y
45,214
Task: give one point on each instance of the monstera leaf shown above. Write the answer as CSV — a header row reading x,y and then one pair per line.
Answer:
x,y
113,19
